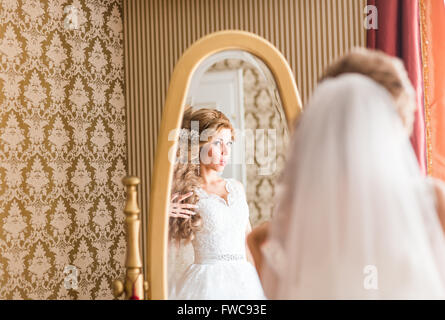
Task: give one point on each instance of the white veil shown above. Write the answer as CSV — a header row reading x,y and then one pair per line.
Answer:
x,y
354,219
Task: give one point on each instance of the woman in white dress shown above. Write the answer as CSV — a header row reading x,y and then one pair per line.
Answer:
x,y
210,212
355,219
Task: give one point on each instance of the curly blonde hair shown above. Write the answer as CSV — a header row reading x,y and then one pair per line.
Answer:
x,y
387,71
186,174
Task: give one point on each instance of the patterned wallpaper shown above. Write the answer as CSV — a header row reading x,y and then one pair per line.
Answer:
x,y
62,148
261,111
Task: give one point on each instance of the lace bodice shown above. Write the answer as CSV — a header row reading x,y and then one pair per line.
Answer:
x,y
223,233
220,269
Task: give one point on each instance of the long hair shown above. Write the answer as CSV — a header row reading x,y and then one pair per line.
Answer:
x,y
186,175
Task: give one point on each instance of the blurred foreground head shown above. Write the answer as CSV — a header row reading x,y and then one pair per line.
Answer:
x,y
353,202
387,71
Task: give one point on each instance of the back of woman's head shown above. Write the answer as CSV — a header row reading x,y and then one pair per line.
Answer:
x,y
351,189
387,71
349,122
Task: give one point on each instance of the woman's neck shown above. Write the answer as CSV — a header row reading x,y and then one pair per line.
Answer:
x,y
209,176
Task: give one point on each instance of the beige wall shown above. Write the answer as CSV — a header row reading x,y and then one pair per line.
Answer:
x,y
62,149
310,33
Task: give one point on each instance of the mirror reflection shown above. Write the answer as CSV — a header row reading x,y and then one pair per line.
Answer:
x,y
230,152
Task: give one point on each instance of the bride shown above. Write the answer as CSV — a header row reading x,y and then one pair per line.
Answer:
x,y
211,213
354,218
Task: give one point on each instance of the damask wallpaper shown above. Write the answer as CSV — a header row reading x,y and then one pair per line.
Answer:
x,y
261,111
62,148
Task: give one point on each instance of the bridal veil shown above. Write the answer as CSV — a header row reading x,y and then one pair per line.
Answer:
x,y
355,218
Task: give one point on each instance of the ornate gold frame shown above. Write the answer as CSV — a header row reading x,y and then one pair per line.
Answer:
x,y
171,119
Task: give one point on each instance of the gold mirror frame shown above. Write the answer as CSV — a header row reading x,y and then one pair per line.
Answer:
x,y
171,120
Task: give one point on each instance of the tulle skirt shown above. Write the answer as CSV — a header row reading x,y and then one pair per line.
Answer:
x,y
228,280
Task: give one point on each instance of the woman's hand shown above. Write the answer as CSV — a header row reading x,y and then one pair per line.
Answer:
x,y
181,210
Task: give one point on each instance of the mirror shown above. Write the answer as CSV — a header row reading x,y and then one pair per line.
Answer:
x,y
230,107
216,263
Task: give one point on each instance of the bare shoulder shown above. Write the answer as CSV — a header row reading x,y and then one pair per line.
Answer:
x,y
439,187
440,184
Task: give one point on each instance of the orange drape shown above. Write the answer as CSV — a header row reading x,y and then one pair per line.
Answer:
x,y
432,19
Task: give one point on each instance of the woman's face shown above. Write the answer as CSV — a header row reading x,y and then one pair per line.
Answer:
x,y
216,153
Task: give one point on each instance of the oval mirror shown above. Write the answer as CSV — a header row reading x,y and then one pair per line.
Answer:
x,y
230,107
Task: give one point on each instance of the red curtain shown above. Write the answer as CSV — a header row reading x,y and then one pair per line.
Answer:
x,y
398,34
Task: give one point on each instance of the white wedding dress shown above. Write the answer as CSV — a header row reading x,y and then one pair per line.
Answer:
x,y
220,270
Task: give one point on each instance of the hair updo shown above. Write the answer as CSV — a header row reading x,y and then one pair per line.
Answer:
x,y
387,71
